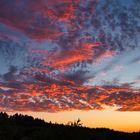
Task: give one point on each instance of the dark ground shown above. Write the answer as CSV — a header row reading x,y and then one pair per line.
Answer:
x,y
19,127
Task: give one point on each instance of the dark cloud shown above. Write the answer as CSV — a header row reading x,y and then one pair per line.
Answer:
x,y
12,52
11,74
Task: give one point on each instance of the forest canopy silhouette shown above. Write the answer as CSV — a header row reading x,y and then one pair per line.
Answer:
x,y
24,127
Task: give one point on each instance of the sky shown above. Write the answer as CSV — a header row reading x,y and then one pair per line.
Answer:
x,y
68,59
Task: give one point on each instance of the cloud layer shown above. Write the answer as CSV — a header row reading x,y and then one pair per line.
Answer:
x,y
50,52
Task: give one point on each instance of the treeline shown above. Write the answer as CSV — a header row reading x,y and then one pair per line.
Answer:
x,y
23,127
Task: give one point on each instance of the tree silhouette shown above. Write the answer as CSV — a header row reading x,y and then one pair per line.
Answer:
x,y
23,127
76,123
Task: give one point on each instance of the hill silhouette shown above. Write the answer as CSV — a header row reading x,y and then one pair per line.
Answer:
x,y
23,127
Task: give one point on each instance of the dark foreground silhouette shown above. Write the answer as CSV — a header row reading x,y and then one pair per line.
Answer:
x,y
20,127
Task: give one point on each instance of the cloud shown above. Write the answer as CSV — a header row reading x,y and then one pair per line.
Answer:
x,y
38,19
64,39
45,94
136,60
68,57
10,75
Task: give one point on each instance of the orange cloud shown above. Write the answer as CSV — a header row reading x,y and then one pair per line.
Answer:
x,y
71,56
56,97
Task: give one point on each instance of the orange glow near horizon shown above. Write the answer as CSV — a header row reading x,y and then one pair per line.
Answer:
x,y
117,120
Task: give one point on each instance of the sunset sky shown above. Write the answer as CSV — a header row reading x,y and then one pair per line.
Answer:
x,y
66,59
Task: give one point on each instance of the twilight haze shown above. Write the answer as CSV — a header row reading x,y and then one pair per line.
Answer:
x,y
66,59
